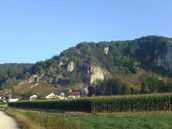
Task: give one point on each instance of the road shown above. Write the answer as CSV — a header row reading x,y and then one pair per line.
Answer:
x,y
7,122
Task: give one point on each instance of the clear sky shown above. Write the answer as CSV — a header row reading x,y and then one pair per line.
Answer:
x,y
33,30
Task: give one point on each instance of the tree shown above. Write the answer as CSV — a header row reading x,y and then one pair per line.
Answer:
x,y
112,87
154,84
128,62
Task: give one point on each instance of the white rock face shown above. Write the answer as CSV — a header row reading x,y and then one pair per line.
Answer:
x,y
34,79
106,50
96,74
165,59
71,66
61,64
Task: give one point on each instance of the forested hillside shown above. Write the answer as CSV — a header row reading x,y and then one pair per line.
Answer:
x,y
115,57
89,63
10,74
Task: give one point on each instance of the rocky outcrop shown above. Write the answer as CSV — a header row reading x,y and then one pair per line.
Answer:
x,y
164,58
34,79
70,66
97,73
61,64
106,50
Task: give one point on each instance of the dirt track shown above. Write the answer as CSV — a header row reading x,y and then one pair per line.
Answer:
x,y
7,122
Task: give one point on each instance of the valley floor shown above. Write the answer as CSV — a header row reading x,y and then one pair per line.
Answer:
x,y
77,120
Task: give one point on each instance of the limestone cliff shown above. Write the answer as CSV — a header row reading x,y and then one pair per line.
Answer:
x,y
164,58
70,66
96,74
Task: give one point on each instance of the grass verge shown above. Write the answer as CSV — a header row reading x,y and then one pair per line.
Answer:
x,y
79,120
40,120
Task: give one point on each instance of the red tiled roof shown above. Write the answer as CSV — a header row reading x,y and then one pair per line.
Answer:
x,y
74,94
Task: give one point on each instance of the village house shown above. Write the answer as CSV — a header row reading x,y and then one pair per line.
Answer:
x,y
62,94
55,96
74,94
3,99
33,97
13,100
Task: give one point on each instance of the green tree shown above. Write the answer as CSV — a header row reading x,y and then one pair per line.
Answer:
x,y
154,84
112,87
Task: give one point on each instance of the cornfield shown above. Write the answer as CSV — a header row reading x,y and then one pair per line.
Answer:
x,y
103,104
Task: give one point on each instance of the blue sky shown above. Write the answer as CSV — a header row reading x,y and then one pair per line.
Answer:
x,y
33,30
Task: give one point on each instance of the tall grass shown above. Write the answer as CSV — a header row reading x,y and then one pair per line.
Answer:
x,y
77,120
39,120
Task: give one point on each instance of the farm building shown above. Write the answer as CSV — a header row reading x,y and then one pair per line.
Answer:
x,y
3,99
55,96
13,100
33,97
74,94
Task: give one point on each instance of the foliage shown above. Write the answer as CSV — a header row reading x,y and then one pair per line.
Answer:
x,y
72,105
27,95
111,87
11,73
155,84
128,62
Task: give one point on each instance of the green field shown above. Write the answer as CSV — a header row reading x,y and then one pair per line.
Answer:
x,y
80,120
131,121
152,111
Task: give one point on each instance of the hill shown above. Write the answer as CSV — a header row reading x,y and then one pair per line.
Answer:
x,y
10,74
88,63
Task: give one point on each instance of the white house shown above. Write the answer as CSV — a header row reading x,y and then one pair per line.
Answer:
x,y
33,97
62,94
51,96
13,100
3,99
54,96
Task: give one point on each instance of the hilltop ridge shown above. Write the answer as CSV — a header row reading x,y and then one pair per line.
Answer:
x,y
89,62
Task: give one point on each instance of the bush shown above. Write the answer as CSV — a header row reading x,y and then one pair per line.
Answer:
x,y
155,84
111,87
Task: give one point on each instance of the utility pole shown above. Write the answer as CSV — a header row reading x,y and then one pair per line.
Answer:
x,y
10,93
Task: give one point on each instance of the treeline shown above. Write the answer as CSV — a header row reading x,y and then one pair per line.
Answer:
x,y
104,104
11,73
149,84
109,87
